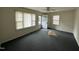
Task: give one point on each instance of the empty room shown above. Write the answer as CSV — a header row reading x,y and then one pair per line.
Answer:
x,y
39,29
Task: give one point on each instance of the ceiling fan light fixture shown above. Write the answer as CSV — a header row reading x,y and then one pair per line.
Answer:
x,y
49,9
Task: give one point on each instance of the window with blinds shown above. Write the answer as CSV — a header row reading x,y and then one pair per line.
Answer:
x,y
39,20
24,20
56,19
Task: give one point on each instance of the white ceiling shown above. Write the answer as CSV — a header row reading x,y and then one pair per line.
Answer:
x,y
43,9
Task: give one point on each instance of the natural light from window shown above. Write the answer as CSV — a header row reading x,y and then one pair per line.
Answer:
x,y
56,19
39,22
24,20
19,20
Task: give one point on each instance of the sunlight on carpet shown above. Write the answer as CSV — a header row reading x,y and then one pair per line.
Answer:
x,y
50,33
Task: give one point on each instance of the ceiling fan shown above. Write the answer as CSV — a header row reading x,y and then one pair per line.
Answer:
x,y
49,9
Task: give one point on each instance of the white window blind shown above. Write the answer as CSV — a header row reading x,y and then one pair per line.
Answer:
x,y
27,20
19,20
39,22
56,19
24,20
33,19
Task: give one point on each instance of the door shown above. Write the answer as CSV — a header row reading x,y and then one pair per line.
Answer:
x,y
44,21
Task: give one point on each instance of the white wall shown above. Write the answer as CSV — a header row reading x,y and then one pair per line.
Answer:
x,y
7,24
66,21
0,25
76,26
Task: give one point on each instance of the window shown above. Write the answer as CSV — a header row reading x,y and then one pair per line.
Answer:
x,y
56,19
33,19
27,20
39,20
19,20
24,20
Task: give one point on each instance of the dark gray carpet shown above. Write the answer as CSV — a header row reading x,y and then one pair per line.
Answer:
x,y
40,41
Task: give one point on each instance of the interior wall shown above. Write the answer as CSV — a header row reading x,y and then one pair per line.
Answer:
x,y
76,26
0,25
7,21
66,21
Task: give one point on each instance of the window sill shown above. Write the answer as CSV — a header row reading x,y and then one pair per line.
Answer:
x,y
56,24
25,28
